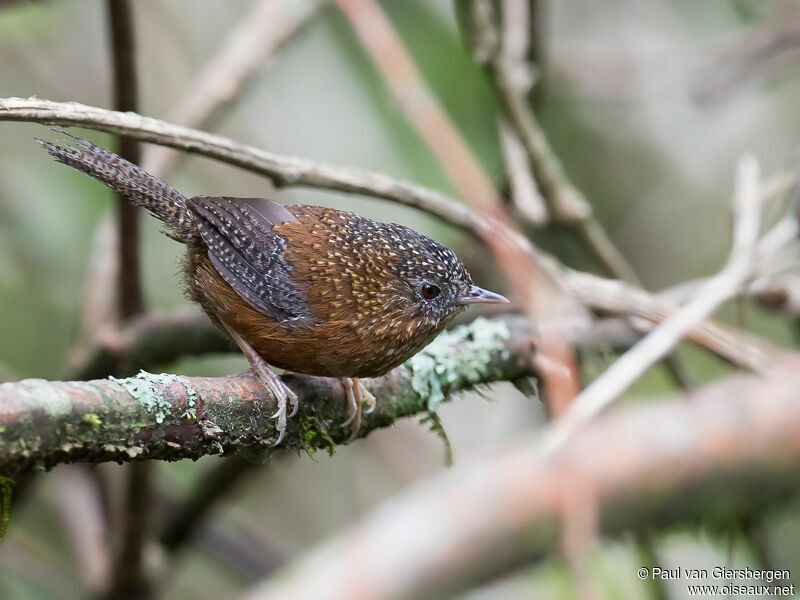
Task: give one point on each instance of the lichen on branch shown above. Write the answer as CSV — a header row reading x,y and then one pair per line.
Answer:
x,y
170,417
457,358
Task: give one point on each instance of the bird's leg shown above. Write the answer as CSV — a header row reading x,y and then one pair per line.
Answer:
x,y
352,403
283,394
357,396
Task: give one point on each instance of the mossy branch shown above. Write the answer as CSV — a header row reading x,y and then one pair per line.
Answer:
x,y
170,417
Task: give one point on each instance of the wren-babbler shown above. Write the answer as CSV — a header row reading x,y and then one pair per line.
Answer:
x,y
304,288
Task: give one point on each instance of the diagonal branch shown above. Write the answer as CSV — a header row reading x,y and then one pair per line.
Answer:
x,y
282,170
170,417
721,287
540,296
566,203
601,294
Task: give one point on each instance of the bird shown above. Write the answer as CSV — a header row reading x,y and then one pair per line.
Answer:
x,y
304,288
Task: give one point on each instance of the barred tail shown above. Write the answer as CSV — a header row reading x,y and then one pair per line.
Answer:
x,y
135,184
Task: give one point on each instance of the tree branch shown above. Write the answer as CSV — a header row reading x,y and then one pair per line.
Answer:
x,y
595,292
726,284
170,417
282,170
566,203
540,297
120,23
129,578
733,450
149,341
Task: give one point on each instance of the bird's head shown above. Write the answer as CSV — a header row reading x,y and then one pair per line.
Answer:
x,y
430,285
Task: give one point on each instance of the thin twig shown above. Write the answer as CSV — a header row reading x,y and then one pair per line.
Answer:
x,y
131,580
78,505
719,288
615,297
606,295
420,106
516,26
566,202
283,170
98,308
524,191
759,52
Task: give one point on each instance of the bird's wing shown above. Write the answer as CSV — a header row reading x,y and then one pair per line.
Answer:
x,y
248,254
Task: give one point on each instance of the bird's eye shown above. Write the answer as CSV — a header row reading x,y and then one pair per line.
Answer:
x,y
430,291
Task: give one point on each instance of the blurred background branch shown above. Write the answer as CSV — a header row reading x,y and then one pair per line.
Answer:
x,y
766,51
566,203
146,342
129,579
539,296
511,506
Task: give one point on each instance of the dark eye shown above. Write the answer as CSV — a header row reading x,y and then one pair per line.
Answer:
x,y
430,291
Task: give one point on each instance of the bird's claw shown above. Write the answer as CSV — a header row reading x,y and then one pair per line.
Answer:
x,y
352,403
367,398
283,394
357,396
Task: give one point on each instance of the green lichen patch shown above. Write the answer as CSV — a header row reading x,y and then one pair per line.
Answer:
x,y
191,393
457,358
146,388
191,401
92,419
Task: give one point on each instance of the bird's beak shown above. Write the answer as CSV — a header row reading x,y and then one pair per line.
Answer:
x,y
476,294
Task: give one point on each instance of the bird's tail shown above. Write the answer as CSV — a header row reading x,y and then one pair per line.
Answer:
x,y
137,185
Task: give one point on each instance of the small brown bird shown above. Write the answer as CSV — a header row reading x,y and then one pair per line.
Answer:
x,y
304,288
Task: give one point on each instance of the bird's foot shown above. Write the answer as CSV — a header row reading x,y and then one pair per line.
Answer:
x,y
357,397
283,394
